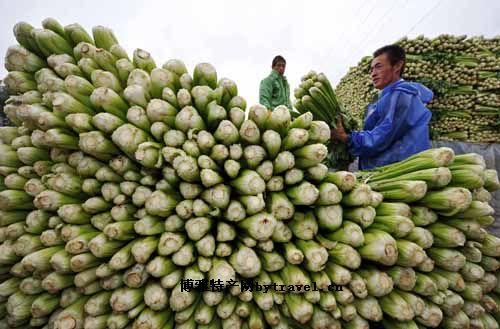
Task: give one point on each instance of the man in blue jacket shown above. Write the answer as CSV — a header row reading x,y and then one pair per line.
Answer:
x,y
396,125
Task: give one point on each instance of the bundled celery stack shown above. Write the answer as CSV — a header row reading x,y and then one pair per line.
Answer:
x,y
315,95
436,209
122,182
463,73
3,98
124,178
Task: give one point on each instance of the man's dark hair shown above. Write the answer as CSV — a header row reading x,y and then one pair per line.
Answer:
x,y
277,59
395,54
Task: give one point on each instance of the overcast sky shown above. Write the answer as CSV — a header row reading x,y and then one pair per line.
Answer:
x,y
240,38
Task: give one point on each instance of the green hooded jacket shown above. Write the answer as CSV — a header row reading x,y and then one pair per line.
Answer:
x,y
274,90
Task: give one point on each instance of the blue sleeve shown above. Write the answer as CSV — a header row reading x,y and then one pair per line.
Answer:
x,y
395,121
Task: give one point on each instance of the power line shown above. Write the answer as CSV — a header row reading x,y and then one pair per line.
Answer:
x,y
380,24
431,10
366,17
344,27
424,17
369,14
361,24
341,34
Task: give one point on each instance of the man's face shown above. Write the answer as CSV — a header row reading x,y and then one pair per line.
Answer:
x,y
279,67
382,72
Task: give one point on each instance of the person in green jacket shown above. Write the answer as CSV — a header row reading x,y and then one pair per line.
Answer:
x,y
275,90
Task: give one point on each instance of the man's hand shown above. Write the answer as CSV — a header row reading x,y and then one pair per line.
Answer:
x,y
338,133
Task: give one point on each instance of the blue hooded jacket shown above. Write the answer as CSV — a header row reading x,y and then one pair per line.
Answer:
x,y
396,126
